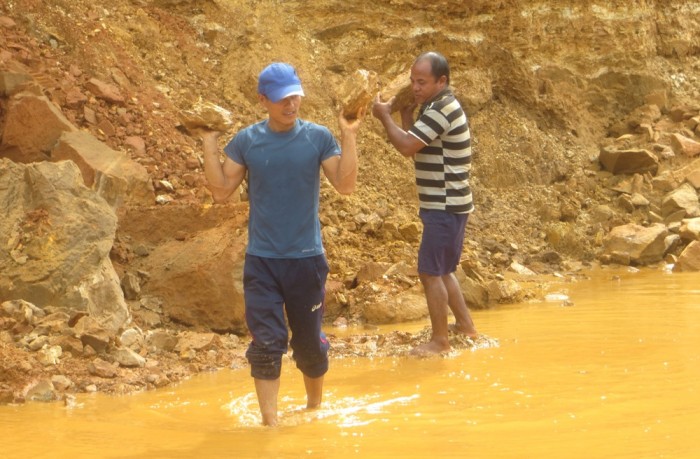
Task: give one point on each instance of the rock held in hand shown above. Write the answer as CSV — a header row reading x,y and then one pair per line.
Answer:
x,y
205,115
400,88
358,92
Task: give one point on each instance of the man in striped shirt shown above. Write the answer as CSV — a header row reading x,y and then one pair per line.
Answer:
x,y
439,142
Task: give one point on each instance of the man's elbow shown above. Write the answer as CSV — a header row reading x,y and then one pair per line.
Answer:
x,y
219,195
407,152
345,189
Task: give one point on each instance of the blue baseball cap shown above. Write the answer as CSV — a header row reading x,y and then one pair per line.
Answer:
x,y
279,80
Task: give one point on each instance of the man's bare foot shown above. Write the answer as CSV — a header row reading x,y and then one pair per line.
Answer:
x,y
313,406
463,330
269,421
429,349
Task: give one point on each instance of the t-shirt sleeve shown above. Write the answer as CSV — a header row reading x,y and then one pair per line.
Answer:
x,y
429,126
328,144
235,148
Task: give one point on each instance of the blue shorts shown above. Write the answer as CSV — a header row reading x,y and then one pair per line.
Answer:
x,y
273,287
441,244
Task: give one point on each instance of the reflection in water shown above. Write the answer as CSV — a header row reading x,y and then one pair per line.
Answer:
x,y
609,371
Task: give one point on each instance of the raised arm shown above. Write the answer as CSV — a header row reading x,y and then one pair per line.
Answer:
x,y
222,179
341,171
408,145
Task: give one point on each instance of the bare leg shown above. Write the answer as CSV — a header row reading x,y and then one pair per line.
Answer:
x,y
455,301
314,391
436,296
267,390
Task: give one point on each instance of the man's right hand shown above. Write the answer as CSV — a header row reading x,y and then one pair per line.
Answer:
x,y
381,109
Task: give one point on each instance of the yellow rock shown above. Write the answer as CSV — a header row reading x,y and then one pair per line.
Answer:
x,y
358,92
400,88
205,115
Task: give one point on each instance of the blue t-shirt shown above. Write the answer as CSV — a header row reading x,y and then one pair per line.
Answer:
x,y
283,186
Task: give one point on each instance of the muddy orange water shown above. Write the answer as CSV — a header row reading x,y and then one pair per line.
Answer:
x,y
615,375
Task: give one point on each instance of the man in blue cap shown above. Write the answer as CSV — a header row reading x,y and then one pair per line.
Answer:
x,y
285,267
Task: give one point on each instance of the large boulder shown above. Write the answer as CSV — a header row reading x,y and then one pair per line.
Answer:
x,y
635,244
689,259
115,176
32,126
57,237
199,280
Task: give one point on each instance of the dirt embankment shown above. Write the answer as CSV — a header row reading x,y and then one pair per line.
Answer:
x,y
545,85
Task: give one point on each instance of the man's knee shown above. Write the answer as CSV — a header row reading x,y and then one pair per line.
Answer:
x,y
264,364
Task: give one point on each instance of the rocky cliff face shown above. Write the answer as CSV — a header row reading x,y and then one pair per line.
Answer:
x,y
547,85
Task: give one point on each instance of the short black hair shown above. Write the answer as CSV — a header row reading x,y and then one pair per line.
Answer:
x,y
438,64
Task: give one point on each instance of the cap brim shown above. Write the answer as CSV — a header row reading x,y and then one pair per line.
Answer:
x,y
279,94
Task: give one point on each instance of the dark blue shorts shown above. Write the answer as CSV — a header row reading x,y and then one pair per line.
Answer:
x,y
273,287
441,244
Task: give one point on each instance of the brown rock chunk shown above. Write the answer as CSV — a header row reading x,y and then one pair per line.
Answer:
x,y
400,88
628,161
684,145
689,259
105,91
101,368
358,92
32,127
206,115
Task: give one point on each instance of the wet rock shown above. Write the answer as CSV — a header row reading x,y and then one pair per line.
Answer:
x,y
522,270
689,259
61,382
475,293
40,391
504,291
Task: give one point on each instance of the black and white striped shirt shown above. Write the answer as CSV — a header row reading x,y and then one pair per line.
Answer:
x,y
443,165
